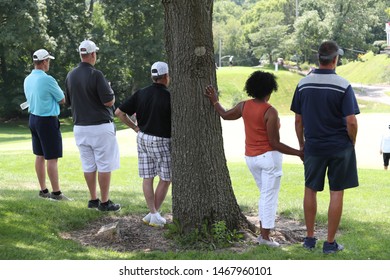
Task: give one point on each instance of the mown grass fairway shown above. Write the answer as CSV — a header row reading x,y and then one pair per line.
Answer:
x,y
30,227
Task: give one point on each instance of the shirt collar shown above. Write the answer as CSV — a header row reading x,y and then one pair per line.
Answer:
x,y
85,64
159,85
38,71
324,71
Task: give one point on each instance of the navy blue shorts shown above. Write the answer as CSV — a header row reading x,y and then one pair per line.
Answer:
x,y
340,168
46,136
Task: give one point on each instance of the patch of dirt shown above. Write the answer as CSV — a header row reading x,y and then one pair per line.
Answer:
x,y
131,234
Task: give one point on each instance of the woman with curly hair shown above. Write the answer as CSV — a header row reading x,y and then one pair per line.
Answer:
x,y
263,149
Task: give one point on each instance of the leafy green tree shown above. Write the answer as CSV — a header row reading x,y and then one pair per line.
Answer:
x,y
266,28
320,6
69,22
23,29
310,31
228,32
130,34
349,22
382,10
136,41
55,25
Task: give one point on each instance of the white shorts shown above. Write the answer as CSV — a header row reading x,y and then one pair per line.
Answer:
x,y
267,172
98,147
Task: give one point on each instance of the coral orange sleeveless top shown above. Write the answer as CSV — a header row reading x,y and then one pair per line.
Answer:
x,y
256,137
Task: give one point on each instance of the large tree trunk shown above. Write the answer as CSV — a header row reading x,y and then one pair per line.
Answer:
x,y
201,185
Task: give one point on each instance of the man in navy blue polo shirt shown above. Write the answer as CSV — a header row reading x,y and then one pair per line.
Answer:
x,y
44,95
325,107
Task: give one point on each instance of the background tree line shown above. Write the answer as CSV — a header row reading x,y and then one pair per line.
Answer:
x,y
250,29
130,34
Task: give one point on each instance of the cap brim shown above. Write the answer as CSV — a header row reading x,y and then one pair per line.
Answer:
x,y
330,56
47,57
86,52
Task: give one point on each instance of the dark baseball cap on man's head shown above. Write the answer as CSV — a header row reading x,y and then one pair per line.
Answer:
x,y
329,50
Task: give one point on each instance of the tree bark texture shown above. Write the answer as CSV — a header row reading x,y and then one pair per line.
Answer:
x,y
201,185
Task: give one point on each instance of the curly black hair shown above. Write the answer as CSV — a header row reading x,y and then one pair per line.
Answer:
x,y
260,84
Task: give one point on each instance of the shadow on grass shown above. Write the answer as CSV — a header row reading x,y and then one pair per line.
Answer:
x,y
30,229
30,226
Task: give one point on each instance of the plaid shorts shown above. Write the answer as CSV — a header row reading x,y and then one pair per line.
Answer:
x,y
154,156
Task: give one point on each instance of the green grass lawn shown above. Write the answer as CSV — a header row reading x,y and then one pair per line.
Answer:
x,y
231,82
372,69
30,227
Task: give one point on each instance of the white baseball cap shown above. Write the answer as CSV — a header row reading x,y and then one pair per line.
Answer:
x,y
41,54
87,46
159,68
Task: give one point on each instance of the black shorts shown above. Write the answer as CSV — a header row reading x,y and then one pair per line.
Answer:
x,y
386,157
46,136
340,168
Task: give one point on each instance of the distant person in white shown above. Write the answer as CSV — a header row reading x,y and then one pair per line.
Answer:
x,y
385,148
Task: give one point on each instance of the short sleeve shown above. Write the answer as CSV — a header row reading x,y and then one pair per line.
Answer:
x,y
55,89
105,92
295,103
129,106
350,105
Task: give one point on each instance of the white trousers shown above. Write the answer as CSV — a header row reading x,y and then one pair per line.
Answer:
x,y
267,172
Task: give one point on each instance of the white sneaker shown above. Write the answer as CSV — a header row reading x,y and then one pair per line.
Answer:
x,y
157,221
146,219
270,243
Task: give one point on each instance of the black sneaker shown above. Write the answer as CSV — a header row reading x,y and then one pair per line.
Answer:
x,y
309,242
94,204
109,206
330,248
60,196
43,194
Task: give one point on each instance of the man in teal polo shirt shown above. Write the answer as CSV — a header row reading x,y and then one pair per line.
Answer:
x,y
44,96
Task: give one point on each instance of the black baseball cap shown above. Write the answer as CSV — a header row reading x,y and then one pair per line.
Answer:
x,y
329,50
